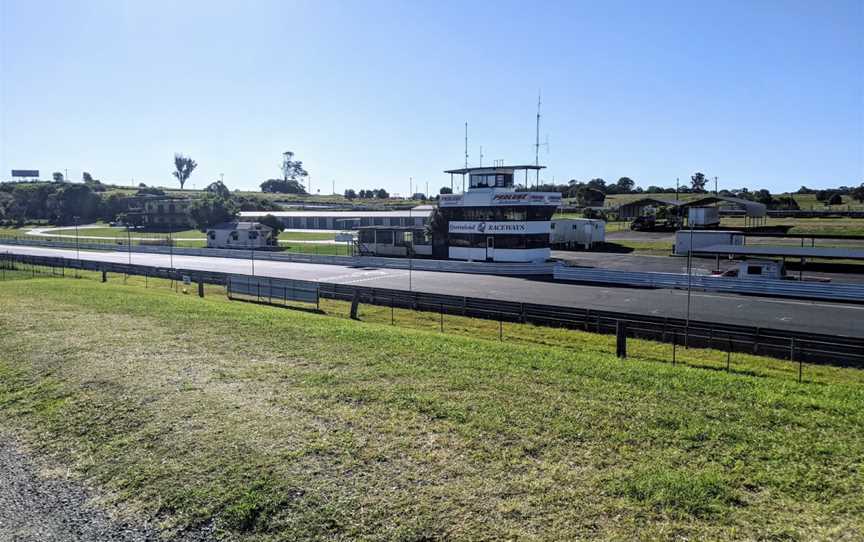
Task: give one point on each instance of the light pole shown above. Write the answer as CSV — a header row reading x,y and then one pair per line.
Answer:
x,y
170,243
689,286
129,242
410,250
252,259
77,251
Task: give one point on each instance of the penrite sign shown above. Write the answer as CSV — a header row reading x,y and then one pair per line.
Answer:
x,y
29,173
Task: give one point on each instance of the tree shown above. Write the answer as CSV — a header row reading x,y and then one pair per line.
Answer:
x,y
211,209
597,184
277,225
350,194
445,190
218,188
57,176
292,169
625,185
282,186
764,197
835,199
86,177
381,194
698,181
587,196
858,193
184,166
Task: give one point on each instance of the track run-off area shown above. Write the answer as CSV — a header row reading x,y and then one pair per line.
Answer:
x,y
791,314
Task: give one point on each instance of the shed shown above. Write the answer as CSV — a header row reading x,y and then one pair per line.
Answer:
x,y
250,235
574,232
639,207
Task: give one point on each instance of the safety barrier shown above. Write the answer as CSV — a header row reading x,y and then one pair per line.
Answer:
x,y
778,343
767,287
268,289
417,264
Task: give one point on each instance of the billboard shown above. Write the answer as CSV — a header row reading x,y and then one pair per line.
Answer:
x,y
30,173
498,228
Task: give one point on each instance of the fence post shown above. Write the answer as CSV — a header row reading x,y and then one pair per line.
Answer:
x,y
200,287
674,346
355,303
500,327
728,354
104,276
442,317
621,339
392,315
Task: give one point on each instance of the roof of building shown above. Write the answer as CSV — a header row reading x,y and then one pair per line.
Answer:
x,y
240,226
464,170
752,208
423,212
829,253
393,228
651,201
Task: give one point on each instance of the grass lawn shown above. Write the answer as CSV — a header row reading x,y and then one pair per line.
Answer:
x,y
286,425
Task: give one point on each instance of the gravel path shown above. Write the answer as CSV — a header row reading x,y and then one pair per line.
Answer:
x,y
34,508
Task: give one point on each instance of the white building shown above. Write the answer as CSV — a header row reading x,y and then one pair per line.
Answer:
x,y
250,235
493,222
577,232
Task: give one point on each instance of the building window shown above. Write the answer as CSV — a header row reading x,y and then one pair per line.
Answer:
x,y
367,236
385,237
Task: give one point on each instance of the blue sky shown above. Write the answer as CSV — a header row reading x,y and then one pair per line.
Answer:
x,y
368,94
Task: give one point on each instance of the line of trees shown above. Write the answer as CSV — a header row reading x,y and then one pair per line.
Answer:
x,y
379,193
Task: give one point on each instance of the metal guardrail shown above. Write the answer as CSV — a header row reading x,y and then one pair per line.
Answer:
x,y
777,343
266,289
766,287
417,264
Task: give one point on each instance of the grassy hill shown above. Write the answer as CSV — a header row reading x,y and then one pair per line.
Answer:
x,y
286,425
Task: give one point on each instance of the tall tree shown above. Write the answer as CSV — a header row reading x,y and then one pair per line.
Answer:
x,y
218,188
57,176
625,185
183,168
858,193
350,194
211,209
698,181
292,169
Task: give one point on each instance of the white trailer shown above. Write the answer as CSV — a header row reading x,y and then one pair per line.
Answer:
x,y
703,217
699,239
576,232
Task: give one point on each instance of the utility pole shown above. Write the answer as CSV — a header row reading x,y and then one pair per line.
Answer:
x,y
715,186
676,188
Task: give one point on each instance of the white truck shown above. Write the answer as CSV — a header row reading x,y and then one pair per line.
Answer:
x,y
756,269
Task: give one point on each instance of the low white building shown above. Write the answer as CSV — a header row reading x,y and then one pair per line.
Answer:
x,y
699,239
577,232
250,235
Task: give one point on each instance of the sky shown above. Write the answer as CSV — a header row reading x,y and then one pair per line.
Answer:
x,y
763,94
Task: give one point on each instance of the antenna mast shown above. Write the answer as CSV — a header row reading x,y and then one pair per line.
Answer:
x,y
466,145
537,140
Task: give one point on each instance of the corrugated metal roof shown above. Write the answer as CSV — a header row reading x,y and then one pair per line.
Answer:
x,y
342,215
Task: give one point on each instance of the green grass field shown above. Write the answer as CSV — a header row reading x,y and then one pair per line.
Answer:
x,y
288,425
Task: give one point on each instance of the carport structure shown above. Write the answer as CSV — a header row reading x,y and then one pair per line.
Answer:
x,y
755,214
637,208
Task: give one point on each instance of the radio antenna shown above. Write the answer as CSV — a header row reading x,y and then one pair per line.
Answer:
x,y
466,145
537,141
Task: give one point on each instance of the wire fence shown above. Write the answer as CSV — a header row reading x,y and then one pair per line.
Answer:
x,y
451,313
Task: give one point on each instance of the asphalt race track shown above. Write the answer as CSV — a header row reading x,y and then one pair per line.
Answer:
x,y
800,315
